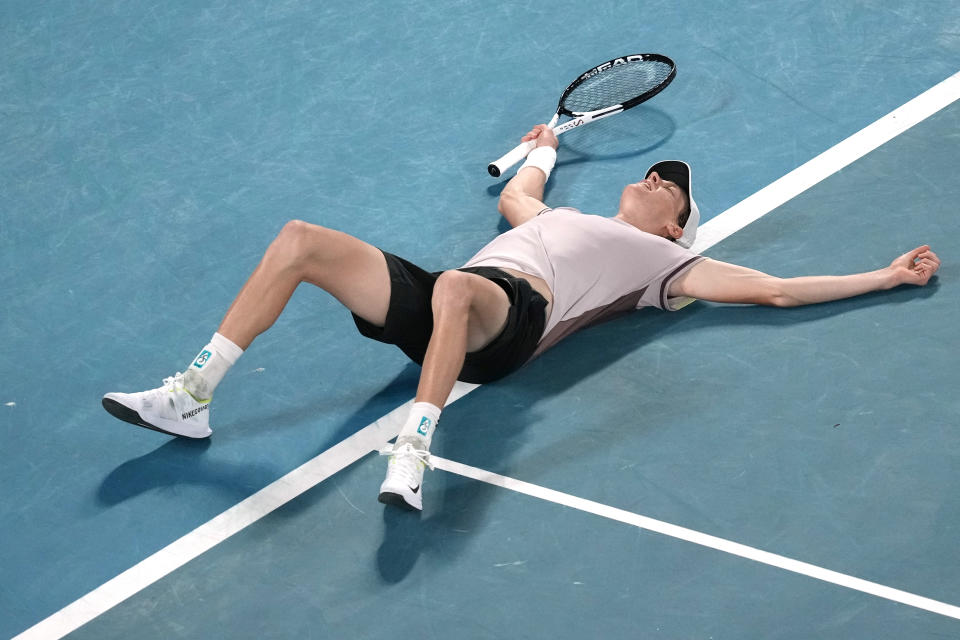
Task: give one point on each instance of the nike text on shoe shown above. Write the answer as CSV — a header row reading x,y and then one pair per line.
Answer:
x,y
403,484
168,409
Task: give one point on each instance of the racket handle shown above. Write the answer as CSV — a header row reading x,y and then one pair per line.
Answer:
x,y
518,153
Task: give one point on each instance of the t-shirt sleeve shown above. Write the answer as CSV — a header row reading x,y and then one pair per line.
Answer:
x,y
559,209
656,293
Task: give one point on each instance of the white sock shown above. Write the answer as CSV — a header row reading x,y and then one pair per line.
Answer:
x,y
208,368
420,424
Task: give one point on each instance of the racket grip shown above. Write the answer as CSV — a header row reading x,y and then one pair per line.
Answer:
x,y
512,157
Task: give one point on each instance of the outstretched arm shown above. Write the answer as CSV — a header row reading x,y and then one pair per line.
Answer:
x,y
723,282
522,197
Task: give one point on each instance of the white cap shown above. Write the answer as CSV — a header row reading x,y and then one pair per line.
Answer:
x,y
679,172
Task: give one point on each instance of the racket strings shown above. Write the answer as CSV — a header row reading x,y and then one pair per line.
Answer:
x,y
617,85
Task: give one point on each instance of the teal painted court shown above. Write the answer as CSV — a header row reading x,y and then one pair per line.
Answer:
x,y
150,152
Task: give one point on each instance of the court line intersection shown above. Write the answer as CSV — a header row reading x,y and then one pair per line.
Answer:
x,y
374,436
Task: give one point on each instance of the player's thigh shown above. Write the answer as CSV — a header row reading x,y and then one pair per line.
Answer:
x,y
353,271
488,304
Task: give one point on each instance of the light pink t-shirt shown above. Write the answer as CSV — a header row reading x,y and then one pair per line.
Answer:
x,y
595,266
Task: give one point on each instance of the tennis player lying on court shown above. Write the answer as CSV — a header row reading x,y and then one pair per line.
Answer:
x,y
556,271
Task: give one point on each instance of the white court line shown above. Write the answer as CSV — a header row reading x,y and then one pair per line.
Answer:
x,y
231,521
373,436
697,537
827,163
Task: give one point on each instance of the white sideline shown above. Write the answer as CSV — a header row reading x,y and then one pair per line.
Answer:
x,y
827,163
373,436
696,537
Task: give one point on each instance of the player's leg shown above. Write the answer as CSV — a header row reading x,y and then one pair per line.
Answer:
x,y
353,271
469,311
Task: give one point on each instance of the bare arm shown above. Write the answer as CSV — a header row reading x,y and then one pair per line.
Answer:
x,y
522,197
723,282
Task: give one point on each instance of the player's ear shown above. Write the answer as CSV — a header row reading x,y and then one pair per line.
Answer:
x,y
674,230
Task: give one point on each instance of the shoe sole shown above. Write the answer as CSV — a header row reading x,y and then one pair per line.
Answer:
x,y
387,497
127,414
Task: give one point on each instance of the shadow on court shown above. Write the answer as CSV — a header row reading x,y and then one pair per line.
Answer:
x,y
178,461
634,133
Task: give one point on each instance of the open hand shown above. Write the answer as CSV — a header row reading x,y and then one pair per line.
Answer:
x,y
915,267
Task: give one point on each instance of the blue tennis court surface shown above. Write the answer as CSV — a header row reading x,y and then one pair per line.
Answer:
x,y
150,152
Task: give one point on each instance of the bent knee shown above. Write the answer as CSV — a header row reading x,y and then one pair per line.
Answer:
x,y
297,229
454,289
299,240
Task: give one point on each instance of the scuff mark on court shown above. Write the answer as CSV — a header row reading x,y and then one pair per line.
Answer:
x,y
516,563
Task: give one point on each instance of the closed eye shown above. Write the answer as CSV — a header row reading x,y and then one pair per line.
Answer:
x,y
674,189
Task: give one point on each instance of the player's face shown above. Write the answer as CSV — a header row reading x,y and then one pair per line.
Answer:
x,y
655,200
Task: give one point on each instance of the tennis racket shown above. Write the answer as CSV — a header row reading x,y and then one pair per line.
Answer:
x,y
603,91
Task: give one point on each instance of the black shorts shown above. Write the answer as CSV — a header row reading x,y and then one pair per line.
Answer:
x,y
409,321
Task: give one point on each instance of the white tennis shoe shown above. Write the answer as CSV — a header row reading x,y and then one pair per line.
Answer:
x,y
168,409
404,482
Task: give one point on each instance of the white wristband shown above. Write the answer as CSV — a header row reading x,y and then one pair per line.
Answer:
x,y
542,158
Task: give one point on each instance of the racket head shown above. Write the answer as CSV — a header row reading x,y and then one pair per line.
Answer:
x,y
622,82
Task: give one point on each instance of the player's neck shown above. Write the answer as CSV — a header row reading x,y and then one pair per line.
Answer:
x,y
637,221
644,224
